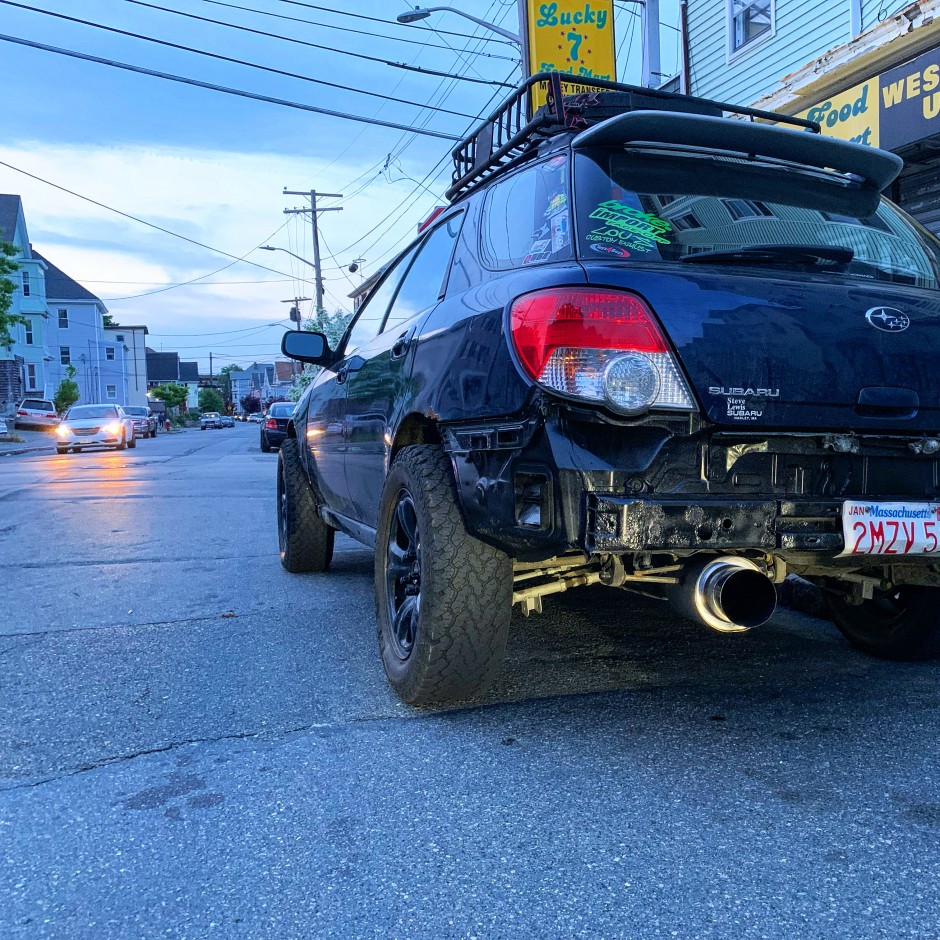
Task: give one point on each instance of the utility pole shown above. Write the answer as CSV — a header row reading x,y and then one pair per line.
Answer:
x,y
210,368
296,301
314,211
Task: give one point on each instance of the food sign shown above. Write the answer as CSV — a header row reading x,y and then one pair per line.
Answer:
x,y
573,37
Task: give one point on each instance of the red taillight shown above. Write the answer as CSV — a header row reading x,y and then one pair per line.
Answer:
x,y
580,318
51,415
271,424
22,412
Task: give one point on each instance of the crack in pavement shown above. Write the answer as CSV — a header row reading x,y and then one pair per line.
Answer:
x,y
175,745
225,615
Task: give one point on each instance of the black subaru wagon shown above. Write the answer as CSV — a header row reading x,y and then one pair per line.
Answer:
x,y
651,346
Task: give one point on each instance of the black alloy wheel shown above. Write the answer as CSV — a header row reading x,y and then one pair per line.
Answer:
x,y
403,577
902,623
442,598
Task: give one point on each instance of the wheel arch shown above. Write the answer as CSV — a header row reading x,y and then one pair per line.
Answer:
x,y
414,428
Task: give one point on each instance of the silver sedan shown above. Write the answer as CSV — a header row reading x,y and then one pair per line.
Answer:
x,y
95,426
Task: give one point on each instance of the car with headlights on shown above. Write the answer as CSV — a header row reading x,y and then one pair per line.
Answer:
x,y
210,419
145,421
99,425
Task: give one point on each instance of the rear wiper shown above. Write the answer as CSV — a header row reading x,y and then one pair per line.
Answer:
x,y
769,254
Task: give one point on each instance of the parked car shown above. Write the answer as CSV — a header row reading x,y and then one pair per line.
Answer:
x,y
3,428
274,427
647,346
228,421
36,413
255,417
210,419
145,422
100,425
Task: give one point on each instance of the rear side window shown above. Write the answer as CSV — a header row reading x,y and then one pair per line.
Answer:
x,y
526,217
424,282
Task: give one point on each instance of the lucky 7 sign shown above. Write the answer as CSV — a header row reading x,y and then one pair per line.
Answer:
x,y
574,38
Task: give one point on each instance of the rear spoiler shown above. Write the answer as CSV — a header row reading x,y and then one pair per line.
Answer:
x,y
876,168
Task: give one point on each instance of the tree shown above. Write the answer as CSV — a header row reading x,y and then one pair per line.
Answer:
x,y
67,393
211,400
108,320
173,395
225,379
7,287
250,404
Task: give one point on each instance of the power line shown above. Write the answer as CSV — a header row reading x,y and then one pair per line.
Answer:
x,y
300,42
347,29
135,218
225,58
224,89
247,329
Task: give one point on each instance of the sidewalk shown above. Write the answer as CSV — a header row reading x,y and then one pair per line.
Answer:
x,y
40,442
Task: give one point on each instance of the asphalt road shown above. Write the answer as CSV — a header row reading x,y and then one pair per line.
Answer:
x,y
194,743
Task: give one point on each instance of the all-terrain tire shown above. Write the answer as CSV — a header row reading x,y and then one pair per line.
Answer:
x,y
454,591
305,540
902,624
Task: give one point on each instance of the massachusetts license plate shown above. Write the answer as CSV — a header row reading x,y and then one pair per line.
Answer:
x,y
890,528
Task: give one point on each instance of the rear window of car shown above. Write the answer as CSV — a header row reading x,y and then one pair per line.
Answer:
x,y
37,404
91,411
135,411
650,206
281,411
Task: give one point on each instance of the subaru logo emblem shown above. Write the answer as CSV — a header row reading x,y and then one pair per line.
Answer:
x,y
888,319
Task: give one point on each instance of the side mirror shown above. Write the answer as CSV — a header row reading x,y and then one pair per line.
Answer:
x,y
305,346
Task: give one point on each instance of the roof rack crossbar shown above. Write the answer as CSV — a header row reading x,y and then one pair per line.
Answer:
x,y
506,135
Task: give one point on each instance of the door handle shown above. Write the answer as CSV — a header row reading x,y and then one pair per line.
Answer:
x,y
402,344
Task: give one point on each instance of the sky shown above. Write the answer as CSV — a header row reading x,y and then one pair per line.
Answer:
x,y
211,167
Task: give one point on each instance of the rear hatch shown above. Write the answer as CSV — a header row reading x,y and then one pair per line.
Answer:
x,y
772,350
792,300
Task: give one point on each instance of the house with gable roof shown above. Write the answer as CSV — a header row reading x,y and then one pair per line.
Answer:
x,y
24,363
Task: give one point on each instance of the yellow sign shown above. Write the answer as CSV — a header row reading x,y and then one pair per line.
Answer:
x,y
851,115
573,37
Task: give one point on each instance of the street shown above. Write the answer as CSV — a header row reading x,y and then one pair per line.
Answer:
x,y
195,743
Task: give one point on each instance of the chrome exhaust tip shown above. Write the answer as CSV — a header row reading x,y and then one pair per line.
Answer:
x,y
728,594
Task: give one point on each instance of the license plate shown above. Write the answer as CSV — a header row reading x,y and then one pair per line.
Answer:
x,y
890,528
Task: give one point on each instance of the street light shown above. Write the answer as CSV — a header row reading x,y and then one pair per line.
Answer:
x,y
274,248
420,13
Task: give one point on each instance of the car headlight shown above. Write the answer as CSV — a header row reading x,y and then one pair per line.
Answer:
x,y
63,430
113,428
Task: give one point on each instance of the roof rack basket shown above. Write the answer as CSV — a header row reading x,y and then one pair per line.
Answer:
x,y
508,134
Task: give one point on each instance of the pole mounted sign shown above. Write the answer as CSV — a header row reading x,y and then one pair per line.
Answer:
x,y
573,37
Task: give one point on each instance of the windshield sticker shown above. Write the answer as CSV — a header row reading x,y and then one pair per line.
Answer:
x,y
612,250
556,162
560,236
629,227
558,203
539,251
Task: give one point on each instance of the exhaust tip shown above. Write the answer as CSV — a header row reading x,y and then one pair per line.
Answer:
x,y
729,594
747,598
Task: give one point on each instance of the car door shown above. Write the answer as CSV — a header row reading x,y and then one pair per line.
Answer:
x,y
377,379
326,431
